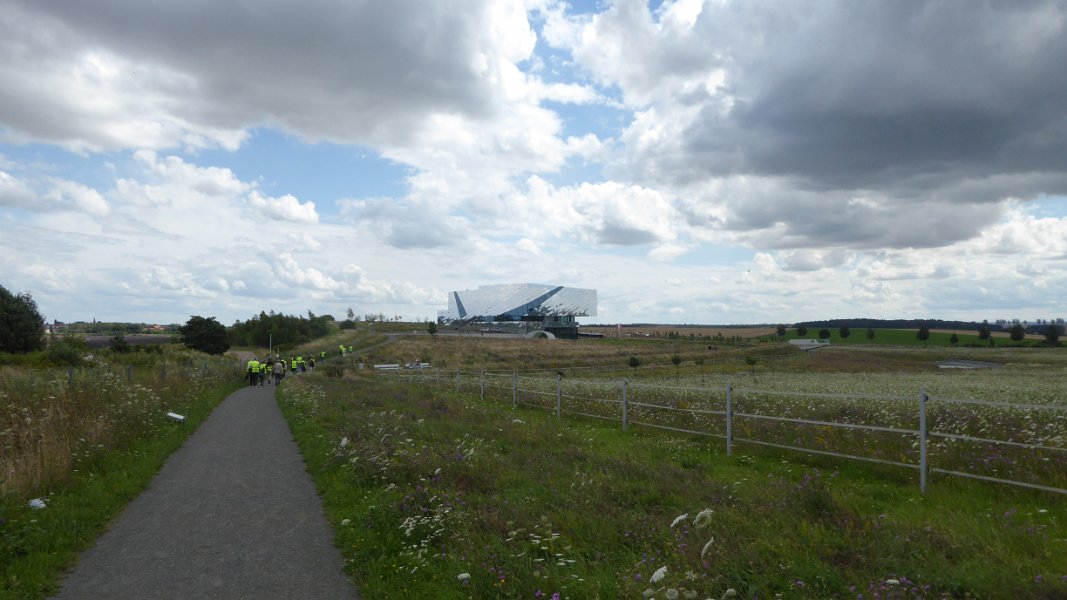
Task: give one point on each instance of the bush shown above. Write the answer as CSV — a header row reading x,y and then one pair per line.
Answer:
x,y
68,351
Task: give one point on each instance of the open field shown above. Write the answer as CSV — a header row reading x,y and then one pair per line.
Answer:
x,y
435,492
663,330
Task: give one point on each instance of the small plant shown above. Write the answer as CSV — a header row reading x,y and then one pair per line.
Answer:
x,y
634,362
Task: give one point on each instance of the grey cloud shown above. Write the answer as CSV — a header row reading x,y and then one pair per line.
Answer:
x,y
407,224
935,111
333,69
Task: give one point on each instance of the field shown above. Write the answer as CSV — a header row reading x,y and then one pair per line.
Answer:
x,y
437,492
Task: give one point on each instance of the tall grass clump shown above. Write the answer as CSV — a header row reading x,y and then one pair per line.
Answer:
x,y
52,418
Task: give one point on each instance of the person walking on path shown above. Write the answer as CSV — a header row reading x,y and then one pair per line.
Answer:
x,y
233,514
279,372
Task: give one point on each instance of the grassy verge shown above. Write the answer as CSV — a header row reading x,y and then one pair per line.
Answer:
x,y
37,545
436,494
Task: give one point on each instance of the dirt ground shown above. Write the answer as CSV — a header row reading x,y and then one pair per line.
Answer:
x,y
663,330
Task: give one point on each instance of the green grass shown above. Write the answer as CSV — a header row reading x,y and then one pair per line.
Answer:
x,y
37,545
423,485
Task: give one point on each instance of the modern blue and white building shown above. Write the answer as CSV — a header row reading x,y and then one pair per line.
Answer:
x,y
552,308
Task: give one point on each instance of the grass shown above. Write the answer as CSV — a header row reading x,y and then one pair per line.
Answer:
x,y
426,485
86,443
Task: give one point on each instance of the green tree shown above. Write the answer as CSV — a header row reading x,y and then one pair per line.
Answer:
x,y
923,334
844,332
780,330
21,324
1052,334
431,328
634,362
870,333
802,331
824,334
119,344
676,361
204,334
954,339
983,331
1017,332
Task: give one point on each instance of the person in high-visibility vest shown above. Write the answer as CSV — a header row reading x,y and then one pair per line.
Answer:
x,y
350,349
342,347
300,363
322,355
253,371
294,365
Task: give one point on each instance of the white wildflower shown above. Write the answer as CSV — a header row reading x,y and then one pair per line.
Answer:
x,y
660,572
463,577
344,441
892,582
648,593
345,521
730,593
679,519
706,547
671,593
703,518
438,471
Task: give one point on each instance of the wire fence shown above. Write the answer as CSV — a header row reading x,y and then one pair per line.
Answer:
x,y
1017,444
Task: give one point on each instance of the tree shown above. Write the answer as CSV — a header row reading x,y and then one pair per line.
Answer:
x,y
351,314
802,331
923,334
870,333
119,344
780,330
824,334
954,339
1017,332
634,362
844,332
1052,334
983,331
206,335
21,324
676,361
431,328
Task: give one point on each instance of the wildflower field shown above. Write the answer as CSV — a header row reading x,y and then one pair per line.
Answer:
x,y
436,492
77,444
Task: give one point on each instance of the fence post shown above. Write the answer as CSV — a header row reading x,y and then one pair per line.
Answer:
x,y
729,420
559,396
514,389
437,376
163,371
70,375
923,467
129,372
483,385
625,403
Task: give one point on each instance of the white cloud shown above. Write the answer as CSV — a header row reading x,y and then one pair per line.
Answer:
x,y
286,208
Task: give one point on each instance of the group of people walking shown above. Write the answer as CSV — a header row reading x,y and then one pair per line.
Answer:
x,y
276,368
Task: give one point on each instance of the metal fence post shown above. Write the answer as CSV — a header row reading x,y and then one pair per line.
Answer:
x,y
559,396
514,389
923,467
483,385
625,403
729,420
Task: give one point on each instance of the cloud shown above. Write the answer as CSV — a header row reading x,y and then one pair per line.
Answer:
x,y
850,115
286,208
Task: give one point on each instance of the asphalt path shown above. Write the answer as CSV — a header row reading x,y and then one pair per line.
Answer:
x,y
233,514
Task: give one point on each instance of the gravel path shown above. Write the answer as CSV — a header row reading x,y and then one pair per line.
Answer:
x,y
233,514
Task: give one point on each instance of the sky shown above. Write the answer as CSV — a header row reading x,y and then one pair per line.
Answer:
x,y
716,161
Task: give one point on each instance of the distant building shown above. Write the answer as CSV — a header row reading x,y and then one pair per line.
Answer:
x,y
521,306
